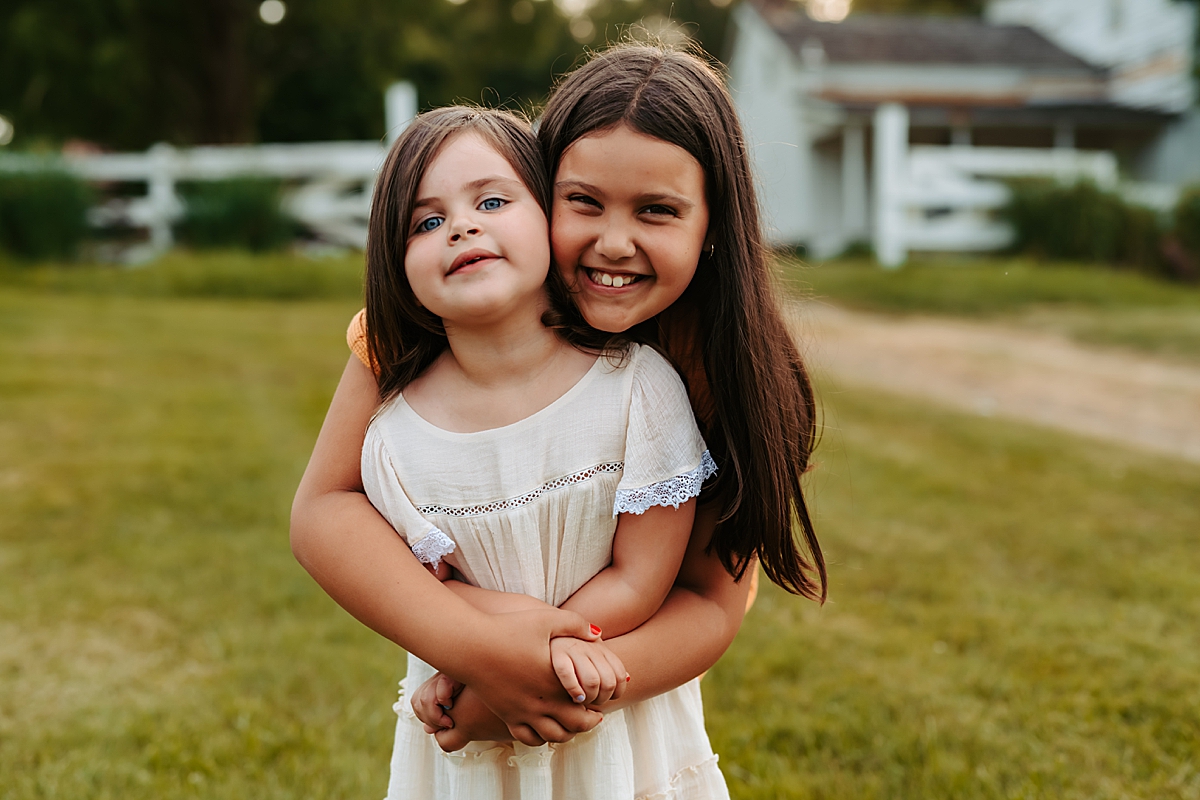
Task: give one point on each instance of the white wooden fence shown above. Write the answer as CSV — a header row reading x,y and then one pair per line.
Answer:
x,y
329,183
944,198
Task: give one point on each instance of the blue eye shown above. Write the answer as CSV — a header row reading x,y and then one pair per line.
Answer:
x,y
491,204
427,225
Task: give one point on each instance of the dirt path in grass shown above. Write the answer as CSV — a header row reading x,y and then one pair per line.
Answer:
x,y
991,369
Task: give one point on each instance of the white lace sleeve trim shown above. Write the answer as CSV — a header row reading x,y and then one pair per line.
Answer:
x,y
433,547
671,492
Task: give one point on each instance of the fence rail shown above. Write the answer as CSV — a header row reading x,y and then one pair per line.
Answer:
x,y
931,197
330,183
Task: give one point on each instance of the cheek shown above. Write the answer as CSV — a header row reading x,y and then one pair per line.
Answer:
x,y
676,265
566,243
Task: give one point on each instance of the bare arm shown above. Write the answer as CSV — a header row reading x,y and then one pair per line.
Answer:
x,y
647,551
357,558
693,628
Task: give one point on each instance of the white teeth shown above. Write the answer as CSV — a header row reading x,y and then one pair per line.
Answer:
x,y
615,281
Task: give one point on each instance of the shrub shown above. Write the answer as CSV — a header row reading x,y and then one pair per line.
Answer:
x,y
43,214
1187,220
1182,248
1082,222
237,212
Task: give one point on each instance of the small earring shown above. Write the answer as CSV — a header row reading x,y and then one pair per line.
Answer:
x,y
712,250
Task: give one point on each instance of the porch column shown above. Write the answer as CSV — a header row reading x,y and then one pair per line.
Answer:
x,y
1064,135
891,155
854,182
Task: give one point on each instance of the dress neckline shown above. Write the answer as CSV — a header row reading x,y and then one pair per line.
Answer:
x,y
562,399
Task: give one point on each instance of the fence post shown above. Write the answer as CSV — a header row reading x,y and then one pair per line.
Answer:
x,y
891,154
161,193
399,107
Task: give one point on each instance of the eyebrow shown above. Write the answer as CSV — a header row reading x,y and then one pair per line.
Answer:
x,y
650,198
473,186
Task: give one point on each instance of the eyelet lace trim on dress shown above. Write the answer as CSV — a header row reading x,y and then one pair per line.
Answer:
x,y
528,497
433,547
671,492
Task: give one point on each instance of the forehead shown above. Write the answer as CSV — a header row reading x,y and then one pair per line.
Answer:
x,y
623,160
464,157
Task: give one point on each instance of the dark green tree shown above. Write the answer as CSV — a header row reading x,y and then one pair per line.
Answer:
x,y
127,73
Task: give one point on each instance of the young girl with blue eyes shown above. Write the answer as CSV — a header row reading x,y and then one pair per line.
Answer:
x,y
545,464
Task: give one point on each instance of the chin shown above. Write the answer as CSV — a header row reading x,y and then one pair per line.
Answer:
x,y
608,321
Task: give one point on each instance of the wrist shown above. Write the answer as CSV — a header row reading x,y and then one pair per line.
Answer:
x,y
473,644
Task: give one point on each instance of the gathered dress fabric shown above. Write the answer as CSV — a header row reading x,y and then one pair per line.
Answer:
x,y
532,507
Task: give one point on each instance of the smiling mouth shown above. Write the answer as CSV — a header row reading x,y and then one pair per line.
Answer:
x,y
611,279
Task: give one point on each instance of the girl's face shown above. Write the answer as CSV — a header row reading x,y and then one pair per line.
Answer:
x,y
477,247
629,223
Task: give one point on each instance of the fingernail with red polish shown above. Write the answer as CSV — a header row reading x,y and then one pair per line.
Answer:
x,y
628,678
596,630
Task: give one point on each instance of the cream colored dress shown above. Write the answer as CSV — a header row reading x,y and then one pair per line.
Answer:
x,y
532,507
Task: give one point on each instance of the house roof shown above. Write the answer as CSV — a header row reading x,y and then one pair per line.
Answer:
x,y
919,40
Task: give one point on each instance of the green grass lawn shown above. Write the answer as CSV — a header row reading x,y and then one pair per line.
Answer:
x,y
1013,613
1089,303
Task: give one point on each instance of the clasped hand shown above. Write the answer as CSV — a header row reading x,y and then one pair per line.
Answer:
x,y
590,673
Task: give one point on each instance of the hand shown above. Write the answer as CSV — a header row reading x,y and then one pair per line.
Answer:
x,y
431,701
518,683
589,671
473,722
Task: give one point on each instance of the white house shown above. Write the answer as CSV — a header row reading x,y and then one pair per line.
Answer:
x,y
887,129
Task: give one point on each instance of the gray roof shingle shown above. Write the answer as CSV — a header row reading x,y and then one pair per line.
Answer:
x,y
920,40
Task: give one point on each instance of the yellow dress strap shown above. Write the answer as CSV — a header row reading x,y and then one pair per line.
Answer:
x,y
356,338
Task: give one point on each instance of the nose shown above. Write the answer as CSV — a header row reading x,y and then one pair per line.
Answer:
x,y
615,242
462,225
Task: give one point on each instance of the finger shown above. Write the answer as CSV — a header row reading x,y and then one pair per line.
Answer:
x,y
433,715
581,720
608,679
549,729
424,705
525,734
568,623
589,677
450,740
444,691
564,668
619,671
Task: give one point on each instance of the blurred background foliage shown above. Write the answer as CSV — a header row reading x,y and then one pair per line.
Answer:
x,y
1084,223
43,215
127,73
236,212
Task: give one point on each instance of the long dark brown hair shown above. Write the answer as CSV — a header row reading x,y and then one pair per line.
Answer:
x,y
403,337
762,425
